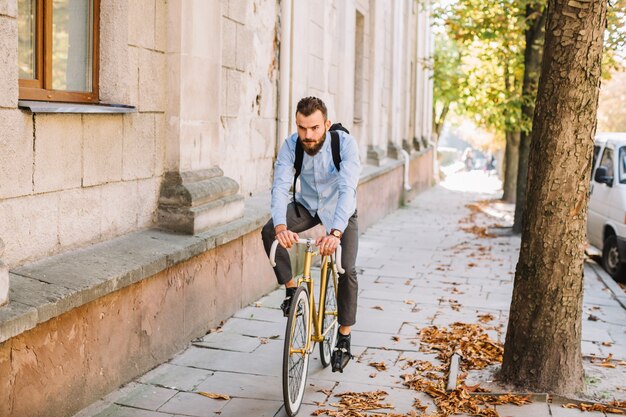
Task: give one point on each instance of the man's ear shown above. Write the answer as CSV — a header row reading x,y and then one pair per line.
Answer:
x,y
328,123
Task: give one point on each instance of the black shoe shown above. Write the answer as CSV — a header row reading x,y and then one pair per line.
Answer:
x,y
286,304
341,354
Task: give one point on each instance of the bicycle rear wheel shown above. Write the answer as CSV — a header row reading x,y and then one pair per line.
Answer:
x,y
296,364
329,312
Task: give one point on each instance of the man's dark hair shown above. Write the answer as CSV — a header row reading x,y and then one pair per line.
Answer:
x,y
309,105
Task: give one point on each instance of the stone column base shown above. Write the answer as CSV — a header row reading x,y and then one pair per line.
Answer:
x,y
394,151
192,202
375,155
417,144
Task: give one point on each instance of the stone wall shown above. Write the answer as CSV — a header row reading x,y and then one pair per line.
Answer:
x,y
65,363
67,180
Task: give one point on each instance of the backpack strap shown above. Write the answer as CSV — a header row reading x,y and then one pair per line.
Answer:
x,y
297,164
334,145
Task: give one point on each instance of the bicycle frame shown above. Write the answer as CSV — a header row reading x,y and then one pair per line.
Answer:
x,y
316,317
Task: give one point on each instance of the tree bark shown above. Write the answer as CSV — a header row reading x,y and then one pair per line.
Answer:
x,y
535,36
542,347
511,152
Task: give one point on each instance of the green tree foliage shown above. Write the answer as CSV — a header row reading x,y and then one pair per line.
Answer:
x,y
482,46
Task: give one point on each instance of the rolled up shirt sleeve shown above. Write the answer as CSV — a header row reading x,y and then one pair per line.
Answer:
x,y
283,177
350,170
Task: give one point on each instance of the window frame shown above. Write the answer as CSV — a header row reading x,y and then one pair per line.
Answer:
x,y
40,89
606,151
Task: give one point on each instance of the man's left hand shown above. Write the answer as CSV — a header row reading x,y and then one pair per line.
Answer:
x,y
327,244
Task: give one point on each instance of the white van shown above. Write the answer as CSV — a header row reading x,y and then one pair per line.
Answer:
x,y
606,221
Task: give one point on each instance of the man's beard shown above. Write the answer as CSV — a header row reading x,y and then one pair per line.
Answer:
x,y
313,151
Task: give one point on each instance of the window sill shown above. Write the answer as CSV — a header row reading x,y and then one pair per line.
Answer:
x,y
55,107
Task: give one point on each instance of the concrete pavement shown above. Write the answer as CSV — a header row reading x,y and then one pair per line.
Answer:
x,y
426,264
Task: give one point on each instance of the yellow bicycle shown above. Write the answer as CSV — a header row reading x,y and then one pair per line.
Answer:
x,y
308,324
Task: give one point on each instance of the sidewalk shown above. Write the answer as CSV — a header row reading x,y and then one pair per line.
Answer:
x,y
428,263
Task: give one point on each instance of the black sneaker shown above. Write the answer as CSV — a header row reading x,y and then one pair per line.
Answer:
x,y
286,304
341,354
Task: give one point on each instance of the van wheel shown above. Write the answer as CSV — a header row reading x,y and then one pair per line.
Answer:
x,y
611,259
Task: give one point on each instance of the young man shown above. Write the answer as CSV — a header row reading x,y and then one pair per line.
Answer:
x,y
326,196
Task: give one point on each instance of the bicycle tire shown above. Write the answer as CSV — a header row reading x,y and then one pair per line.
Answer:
x,y
330,320
295,365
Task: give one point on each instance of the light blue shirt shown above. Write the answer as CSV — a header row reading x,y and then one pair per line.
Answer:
x,y
323,191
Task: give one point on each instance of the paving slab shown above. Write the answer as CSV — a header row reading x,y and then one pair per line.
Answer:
x,y
147,397
175,377
193,404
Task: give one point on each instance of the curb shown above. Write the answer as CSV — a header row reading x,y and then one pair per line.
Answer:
x,y
615,289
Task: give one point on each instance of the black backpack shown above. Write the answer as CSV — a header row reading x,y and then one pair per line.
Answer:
x,y
334,146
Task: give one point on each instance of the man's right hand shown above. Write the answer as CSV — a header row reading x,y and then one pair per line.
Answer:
x,y
285,237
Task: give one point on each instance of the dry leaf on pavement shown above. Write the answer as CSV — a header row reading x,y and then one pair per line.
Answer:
x,y
380,366
214,396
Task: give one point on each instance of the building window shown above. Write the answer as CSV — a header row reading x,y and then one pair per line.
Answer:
x,y
58,50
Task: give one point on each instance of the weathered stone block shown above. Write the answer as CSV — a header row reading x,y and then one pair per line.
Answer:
x,y
229,48
119,208
160,37
8,61
133,76
160,131
148,196
238,10
152,80
245,47
58,152
139,146
16,160
102,149
141,16
79,212
29,227
8,8
115,74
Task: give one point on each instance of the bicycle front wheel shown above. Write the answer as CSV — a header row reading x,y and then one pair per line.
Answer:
x,y
295,353
329,322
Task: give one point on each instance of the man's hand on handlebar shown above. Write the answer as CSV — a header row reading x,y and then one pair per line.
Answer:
x,y
285,237
327,244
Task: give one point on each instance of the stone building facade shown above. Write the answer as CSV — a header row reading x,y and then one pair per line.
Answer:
x,y
130,224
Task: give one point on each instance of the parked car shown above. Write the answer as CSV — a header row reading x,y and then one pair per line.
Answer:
x,y
606,221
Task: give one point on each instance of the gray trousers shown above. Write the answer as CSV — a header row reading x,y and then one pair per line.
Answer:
x,y
348,285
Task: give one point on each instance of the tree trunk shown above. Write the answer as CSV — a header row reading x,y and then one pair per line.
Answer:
x,y
542,347
510,166
535,36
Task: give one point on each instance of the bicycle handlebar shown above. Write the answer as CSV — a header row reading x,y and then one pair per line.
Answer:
x,y
306,242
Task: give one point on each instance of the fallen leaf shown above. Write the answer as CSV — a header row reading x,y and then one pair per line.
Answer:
x,y
592,317
214,396
380,366
264,341
276,336
395,338
411,302
373,375
377,308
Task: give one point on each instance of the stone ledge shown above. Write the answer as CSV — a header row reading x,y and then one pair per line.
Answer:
x,y
46,289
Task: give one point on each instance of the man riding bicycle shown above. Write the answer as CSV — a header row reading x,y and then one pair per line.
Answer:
x,y
328,196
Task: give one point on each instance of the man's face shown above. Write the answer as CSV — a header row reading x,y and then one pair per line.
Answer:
x,y
312,131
